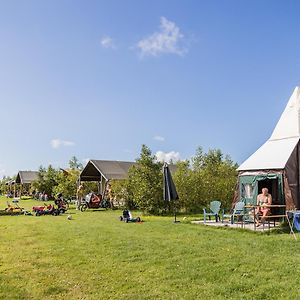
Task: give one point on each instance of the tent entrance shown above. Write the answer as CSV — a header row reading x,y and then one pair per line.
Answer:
x,y
251,185
273,187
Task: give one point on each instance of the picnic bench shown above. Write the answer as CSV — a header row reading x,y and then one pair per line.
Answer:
x,y
267,218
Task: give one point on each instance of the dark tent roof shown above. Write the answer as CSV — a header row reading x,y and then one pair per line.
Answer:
x,y
109,169
27,176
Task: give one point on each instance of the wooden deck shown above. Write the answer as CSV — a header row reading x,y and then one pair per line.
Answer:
x,y
247,226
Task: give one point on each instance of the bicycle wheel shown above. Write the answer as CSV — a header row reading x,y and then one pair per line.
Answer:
x,y
83,207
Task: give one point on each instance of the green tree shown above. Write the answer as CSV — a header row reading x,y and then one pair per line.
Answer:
x,y
197,160
4,187
74,164
122,193
47,180
182,178
67,183
216,176
146,182
210,176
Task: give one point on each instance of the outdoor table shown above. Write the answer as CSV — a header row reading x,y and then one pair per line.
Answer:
x,y
253,207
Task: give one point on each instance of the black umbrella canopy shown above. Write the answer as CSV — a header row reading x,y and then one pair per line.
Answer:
x,y
170,192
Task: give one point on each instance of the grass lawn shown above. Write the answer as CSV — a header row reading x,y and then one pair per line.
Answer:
x,y
95,256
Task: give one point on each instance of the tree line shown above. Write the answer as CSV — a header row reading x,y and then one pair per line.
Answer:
x,y
205,177
52,181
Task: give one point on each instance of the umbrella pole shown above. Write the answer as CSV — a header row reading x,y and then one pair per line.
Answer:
x,y
175,221
174,212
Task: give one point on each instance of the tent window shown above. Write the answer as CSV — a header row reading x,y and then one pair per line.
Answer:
x,y
247,190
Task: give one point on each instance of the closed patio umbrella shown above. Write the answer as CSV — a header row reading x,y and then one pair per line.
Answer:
x,y
170,192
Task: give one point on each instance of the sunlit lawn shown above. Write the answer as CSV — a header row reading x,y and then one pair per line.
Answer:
x,y
95,256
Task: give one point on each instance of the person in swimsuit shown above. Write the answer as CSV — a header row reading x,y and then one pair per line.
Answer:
x,y
263,201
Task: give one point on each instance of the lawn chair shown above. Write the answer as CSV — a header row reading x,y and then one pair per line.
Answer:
x,y
238,212
214,209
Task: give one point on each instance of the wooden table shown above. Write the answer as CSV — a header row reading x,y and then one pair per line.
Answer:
x,y
266,217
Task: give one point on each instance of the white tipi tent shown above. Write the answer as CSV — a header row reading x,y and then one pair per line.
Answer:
x,y
275,164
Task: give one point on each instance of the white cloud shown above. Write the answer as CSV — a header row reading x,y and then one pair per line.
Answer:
x,y
166,41
108,43
159,138
57,143
167,156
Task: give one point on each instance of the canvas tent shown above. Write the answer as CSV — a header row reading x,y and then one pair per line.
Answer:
x,y
28,177
275,164
25,179
104,170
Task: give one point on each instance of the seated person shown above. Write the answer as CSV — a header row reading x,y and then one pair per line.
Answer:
x,y
263,201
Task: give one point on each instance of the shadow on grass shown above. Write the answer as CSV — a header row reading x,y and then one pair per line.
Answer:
x,y
282,229
54,290
91,210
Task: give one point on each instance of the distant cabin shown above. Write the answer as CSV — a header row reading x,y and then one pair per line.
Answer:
x,y
25,179
103,171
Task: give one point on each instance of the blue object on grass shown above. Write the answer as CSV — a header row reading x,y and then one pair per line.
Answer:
x,y
296,221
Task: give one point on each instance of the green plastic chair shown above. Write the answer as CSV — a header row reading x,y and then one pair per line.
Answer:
x,y
214,209
237,212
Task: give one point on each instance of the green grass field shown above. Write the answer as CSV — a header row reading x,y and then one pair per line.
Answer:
x,y
95,256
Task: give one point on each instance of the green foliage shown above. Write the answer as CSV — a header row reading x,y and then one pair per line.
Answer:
x,y
95,256
197,160
210,177
121,193
74,164
47,180
89,186
4,188
146,182
182,180
53,181
67,183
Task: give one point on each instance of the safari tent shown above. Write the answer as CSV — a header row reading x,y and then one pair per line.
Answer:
x,y
275,164
25,179
104,170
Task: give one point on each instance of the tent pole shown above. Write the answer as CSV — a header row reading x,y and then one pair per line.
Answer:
x,y
106,182
100,185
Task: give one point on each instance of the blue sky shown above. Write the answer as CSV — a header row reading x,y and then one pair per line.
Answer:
x,y
97,79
